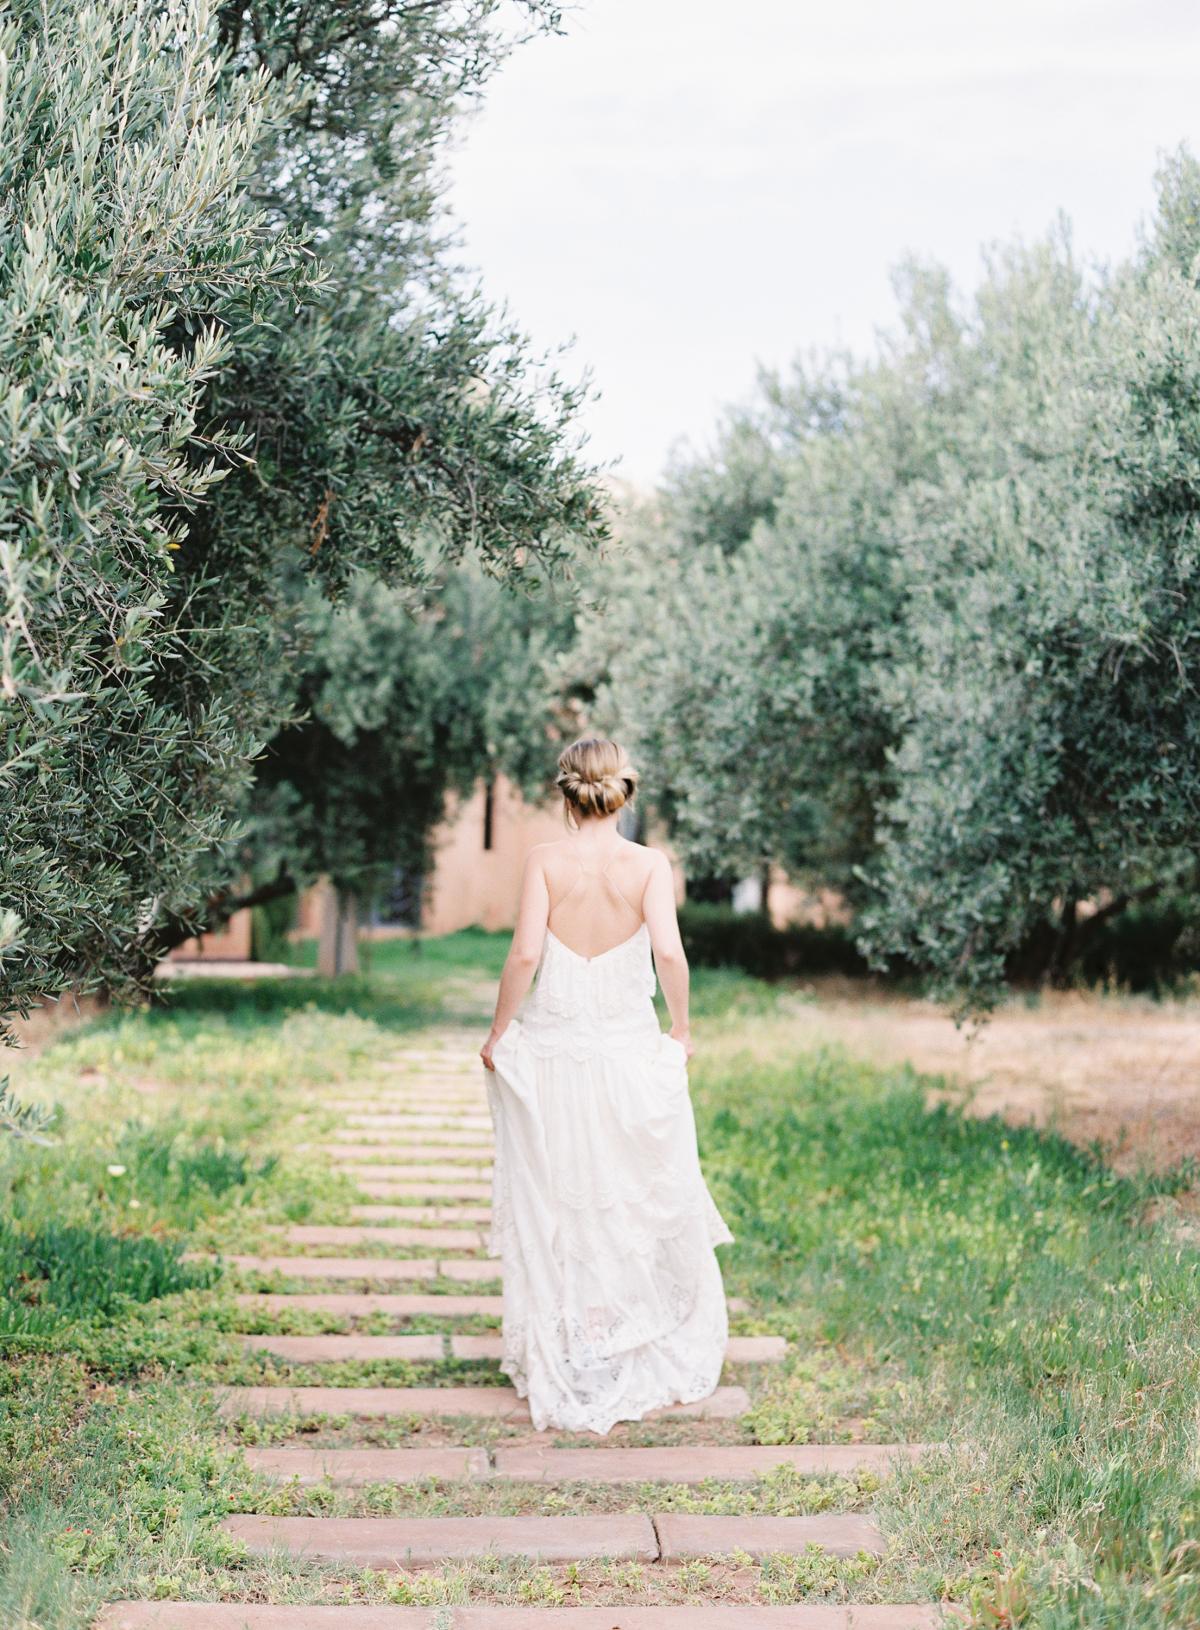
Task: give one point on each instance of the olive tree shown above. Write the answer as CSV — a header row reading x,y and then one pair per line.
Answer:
x,y
236,361
401,695
951,668
1046,753
130,253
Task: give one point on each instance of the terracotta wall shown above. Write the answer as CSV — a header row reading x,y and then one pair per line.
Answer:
x,y
231,943
469,884
789,903
473,885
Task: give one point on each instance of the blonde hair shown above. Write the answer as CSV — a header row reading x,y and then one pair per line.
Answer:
x,y
595,777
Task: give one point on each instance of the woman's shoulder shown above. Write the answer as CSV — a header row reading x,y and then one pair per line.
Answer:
x,y
551,857
642,858
550,850
647,852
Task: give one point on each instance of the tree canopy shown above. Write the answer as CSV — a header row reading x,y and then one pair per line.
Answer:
x,y
939,646
236,361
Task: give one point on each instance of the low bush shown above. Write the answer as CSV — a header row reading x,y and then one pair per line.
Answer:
x,y
270,925
716,936
1152,947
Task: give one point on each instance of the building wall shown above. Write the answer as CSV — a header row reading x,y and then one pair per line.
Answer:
x,y
789,903
228,944
471,884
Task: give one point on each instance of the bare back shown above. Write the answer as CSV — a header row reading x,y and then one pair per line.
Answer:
x,y
595,897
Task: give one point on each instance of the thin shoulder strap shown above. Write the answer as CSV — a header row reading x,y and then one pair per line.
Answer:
x,y
617,889
567,893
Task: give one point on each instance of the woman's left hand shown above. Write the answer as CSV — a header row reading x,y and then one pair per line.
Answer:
x,y
684,1038
485,1052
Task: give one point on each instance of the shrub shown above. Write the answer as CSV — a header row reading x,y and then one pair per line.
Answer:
x,y
1149,947
719,937
269,926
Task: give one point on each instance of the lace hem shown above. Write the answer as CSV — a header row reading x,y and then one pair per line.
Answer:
x,y
572,1384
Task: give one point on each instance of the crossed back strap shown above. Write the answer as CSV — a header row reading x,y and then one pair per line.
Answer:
x,y
595,909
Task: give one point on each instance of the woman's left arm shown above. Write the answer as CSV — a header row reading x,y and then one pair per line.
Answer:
x,y
526,948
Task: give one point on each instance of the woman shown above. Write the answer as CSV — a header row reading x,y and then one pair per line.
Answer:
x,y
613,1302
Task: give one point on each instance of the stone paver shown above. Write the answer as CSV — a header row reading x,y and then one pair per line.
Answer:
x,y
421,1153
490,1403
361,1304
463,1190
430,1091
425,1070
437,1099
905,1616
416,1058
683,1537
357,1466
476,1347
427,1084
499,1403
437,1239
457,1129
334,1349
418,1137
428,1097
459,1112
738,1350
732,1463
385,1172
472,1272
696,1615
756,1349
444,1214
338,1267
405,1542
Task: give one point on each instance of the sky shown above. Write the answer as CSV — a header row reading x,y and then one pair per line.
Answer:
x,y
688,189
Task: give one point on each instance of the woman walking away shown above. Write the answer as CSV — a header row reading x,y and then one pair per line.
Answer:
x,y
613,1302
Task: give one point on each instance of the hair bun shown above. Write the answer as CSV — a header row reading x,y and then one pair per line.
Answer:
x,y
594,777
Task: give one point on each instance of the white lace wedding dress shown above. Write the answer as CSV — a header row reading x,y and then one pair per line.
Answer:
x,y
613,1301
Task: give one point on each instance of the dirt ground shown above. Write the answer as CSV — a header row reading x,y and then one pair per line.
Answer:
x,y
1121,1071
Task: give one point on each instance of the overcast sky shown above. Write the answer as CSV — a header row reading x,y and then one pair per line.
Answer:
x,y
687,188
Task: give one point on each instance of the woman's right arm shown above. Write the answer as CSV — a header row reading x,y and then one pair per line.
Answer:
x,y
670,962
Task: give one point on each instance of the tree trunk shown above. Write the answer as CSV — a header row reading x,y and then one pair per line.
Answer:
x,y
166,935
337,945
1050,952
1063,953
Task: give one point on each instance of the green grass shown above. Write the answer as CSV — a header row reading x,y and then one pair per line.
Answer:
x,y
1003,1278
941,1278
782,1493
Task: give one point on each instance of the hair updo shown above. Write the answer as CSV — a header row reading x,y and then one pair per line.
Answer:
x,y
595,777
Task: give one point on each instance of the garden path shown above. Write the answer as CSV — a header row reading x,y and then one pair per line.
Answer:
x,y
418,1146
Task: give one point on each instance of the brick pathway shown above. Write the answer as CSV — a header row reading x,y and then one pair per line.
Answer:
x,y
424,1138
698,1615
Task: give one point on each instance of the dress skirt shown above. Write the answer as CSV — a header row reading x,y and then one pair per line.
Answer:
x,y
613,1300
